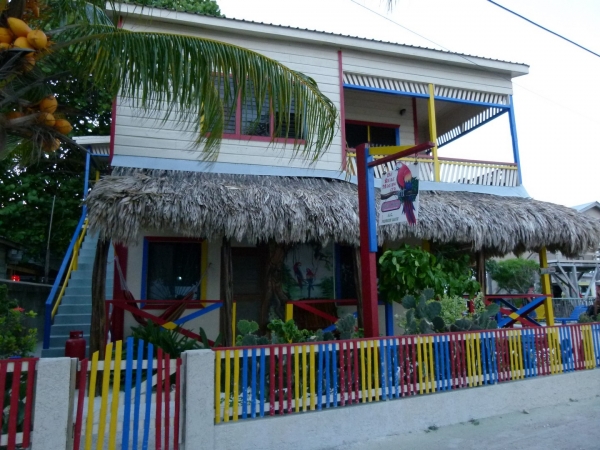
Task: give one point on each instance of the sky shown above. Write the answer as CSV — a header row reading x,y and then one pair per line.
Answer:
x,y
556,104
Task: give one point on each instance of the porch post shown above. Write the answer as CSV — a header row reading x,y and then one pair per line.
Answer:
x,y
226,294
433,132
513,134
546,288
98,326
368,240
360,318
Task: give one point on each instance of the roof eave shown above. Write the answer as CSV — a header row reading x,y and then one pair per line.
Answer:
x,y
321,38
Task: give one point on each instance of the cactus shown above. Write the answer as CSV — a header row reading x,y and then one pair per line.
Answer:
x,y
246,334
423,315
482,321
346,326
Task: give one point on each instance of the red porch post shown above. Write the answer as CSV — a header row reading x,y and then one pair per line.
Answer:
x,y
368,240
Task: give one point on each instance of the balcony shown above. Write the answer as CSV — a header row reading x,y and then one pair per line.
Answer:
x,y
463,171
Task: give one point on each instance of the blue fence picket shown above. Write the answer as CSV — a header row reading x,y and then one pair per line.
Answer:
x,y
320,378
334,357
262,380
327,387
245,384
147,421
382,368
138,385
127,410
253,385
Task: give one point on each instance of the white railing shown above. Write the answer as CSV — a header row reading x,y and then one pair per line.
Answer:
x,y
463,171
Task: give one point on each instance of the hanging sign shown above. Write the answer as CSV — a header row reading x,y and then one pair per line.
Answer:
x,y
400,195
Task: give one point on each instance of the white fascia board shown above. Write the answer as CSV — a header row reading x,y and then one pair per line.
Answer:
x,y
320,38
91,140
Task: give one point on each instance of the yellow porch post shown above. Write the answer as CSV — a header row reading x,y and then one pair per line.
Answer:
x,y
426,245
289,311
546,288
433,133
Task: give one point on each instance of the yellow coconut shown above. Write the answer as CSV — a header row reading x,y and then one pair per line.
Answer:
x,y
47,119
18,27
22,42
4,46
6,36
37,39
51,146
63,126
49,104
14,115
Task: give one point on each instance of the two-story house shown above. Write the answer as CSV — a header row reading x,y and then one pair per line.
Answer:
x,y
274,227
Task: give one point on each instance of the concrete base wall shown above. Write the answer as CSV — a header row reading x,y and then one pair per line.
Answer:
x,y
336,427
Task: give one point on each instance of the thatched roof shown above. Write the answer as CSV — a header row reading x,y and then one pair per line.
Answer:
x,y
295,210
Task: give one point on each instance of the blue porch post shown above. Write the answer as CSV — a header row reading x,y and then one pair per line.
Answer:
x,y
86,176
513,133
389,319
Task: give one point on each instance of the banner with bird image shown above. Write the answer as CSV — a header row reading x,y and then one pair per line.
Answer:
x,y
400,195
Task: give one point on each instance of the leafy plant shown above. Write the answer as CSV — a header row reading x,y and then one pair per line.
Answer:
x,y
483,320
423,315
586,318
454,307
410,270
515,276
170,341
15,338
287,332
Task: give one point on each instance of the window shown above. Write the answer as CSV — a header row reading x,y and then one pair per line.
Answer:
x,y
245,119
172,269
377,135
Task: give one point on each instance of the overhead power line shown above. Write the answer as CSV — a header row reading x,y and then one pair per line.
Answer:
x,y
544,28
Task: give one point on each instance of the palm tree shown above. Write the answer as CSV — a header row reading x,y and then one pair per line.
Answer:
x,y
188,76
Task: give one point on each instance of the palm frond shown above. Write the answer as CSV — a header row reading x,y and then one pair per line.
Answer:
x,y
178,78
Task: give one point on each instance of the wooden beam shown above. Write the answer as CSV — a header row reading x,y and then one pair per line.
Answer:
x,y
226,316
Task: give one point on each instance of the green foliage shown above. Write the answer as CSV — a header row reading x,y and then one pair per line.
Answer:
x,y
206,7
346,326
455,307
247,334
170,341
483,320
287,332
423,315
326,286
26,194
410,270
586,318
514,276
15,338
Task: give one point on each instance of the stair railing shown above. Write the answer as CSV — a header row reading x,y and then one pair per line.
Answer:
x,y
70,259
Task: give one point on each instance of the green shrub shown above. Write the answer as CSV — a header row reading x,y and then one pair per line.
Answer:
x,y
15,338
170,341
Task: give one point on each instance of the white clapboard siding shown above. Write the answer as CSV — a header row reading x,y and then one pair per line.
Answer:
x,y
138,134
426,72
381,108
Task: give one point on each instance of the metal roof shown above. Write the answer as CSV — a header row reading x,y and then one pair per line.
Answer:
x,y
328,33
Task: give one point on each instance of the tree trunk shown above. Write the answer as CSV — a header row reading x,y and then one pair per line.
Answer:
x,y
358,284
226,294
274,294
481,278
98,325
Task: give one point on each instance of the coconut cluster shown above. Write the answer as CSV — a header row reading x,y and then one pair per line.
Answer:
x,y
19,35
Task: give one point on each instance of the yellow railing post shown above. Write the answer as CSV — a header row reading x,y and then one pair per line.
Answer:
x,y
426,245
433,132
289,311
546,288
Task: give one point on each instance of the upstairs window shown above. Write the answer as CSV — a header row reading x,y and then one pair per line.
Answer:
x,y
378,135
247,120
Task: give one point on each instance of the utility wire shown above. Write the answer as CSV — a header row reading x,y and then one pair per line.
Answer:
x,y
544,28
470,60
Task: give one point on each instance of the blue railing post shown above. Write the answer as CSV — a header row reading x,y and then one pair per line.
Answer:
x,y
57,281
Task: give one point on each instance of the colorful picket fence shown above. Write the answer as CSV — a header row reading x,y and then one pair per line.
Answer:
x,y
253,382
139,405
17,377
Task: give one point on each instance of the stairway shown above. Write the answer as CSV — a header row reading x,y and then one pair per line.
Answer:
x,y
75,310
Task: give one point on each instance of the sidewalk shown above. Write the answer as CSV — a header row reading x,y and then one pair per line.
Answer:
x,y
569,426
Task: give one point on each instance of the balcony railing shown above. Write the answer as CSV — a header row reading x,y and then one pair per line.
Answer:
x,y
464,171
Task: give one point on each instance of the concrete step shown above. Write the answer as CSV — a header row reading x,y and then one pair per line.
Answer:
x,y
58,352
60,330
81,282
86,266
74,290
68,319
74,309
76,299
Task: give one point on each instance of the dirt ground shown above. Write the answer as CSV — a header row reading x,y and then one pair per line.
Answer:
x,y
571,426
